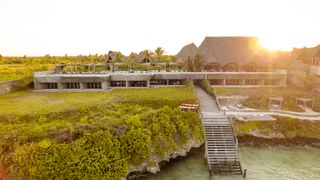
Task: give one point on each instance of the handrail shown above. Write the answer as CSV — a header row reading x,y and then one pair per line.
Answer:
x,y
205,144
237,145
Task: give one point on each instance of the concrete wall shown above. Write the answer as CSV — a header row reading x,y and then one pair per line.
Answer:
x,y
9,86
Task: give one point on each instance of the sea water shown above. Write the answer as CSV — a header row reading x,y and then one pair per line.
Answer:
x,y
261,164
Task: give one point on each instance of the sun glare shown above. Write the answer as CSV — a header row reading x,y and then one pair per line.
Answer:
x,y
275,44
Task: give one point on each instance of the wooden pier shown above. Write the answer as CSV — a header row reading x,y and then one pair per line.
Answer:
x,y
221,145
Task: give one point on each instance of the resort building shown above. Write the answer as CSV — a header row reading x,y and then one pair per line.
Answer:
x,y
94,81
227,61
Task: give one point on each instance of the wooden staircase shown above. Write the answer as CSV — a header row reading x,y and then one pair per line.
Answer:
x,y
221,145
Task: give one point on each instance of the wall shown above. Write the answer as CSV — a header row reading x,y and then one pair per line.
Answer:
x,y
9,86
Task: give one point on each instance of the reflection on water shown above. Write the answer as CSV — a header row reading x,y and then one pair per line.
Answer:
x,y
261,164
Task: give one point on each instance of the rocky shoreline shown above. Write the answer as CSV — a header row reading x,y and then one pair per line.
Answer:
x,y
153,165
244,140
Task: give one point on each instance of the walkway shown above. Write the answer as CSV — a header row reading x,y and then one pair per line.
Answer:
x,y
221,144
207,103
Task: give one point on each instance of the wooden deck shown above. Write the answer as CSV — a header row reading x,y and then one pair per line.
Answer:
x,y
221,145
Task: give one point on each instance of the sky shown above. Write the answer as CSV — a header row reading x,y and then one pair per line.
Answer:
x,y
73,27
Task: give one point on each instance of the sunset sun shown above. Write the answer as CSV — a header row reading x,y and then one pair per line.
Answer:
x,y
275,44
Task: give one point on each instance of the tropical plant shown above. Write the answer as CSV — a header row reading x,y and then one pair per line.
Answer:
x,y
159,52
194,64
118,57
148,54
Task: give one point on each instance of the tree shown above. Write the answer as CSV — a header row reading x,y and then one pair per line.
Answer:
x,y
194,64
148,54
132,56
118,57
197,62
159,52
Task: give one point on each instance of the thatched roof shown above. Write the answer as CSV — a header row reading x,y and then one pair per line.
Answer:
x,y
111,57
311,52
188,50
141,58
224,50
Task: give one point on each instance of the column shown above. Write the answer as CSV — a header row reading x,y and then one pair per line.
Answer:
x,y
242,82
105,85
127,84
37,85
60,85
82,85
148,83
260,82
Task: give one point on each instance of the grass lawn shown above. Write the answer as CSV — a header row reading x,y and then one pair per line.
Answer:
x,y
259,97
30,114
29,102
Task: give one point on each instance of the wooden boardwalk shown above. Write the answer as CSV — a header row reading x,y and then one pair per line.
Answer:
x,y
220,141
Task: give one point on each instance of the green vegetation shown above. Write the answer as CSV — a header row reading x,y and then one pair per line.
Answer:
x,y
259,97
19,71
13,68
204,84
286,126
92,135
194,64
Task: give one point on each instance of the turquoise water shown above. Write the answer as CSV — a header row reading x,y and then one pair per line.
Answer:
x,y
261,164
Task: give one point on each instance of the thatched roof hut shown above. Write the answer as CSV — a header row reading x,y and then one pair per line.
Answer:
x,y
112,56
142,58
307,55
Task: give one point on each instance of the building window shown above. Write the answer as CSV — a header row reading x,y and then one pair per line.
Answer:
x,y
251,82
177,82
158,82
118,83
269,82
73,85
216,82
94,85
138,83
232,81
50,85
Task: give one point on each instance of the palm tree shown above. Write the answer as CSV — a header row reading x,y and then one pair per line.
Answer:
x,y
159,53
197,62
131,58
148,54
194,64
118,57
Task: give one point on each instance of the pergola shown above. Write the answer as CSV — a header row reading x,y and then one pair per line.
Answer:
x,y
305,102
275,102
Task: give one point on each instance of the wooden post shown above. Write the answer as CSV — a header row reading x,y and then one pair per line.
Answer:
x,y
312,102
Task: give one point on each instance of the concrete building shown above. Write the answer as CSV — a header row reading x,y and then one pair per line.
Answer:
x,y
49,80
227,61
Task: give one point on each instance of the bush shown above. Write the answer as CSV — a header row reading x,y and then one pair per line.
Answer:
x,y
98,151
